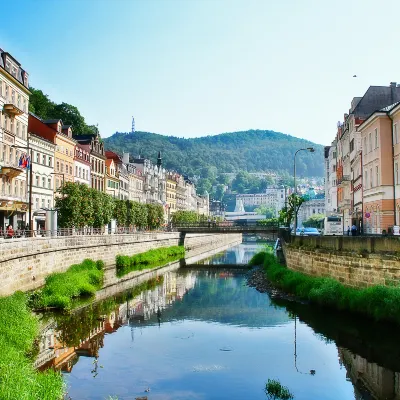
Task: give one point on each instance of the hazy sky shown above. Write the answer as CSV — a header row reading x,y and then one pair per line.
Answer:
x,y
196,67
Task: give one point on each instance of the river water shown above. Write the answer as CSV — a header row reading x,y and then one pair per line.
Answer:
x,y
202,333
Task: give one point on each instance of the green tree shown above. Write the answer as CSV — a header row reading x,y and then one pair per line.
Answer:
x,y
155,216
219,192
203,186
314,221
185,217
40,104
140,215
120,212
289,212
69,115
68,203
263,209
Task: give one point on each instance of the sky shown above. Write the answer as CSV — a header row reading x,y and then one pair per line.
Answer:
x,y
193,68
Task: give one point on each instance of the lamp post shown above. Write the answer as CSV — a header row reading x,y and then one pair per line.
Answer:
x,y
30,181
311,150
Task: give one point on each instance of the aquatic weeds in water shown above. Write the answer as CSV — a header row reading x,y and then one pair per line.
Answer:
x,y
275,391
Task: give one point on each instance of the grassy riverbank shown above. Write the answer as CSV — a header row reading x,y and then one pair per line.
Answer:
x,y
149,259
62,287
18,378
378,302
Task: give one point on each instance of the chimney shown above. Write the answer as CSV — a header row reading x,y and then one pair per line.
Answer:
x,y
125,158
393,84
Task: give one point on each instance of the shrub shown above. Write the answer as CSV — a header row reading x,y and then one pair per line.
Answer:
x,y
149,259
61,288
379,302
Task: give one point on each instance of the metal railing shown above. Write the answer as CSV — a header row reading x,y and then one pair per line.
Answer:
x,y
62,232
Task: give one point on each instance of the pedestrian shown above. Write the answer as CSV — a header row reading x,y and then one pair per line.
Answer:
x,y
215,222
348,231
354,230
209,222
10,231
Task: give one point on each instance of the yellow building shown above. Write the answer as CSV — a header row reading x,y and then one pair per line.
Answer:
x,y
111,178
172,181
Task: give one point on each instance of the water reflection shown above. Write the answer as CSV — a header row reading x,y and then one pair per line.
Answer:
x,y
190,334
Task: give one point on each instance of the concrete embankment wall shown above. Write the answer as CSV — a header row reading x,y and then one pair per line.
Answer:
x,y
24,263
357,262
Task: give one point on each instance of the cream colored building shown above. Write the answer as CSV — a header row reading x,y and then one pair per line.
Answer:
x,y
14,104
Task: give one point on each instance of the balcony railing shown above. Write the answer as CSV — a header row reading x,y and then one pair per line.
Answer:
x,y
6,197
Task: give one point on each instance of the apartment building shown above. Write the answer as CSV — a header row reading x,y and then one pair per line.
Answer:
x,y
181,195
112,178
14,104
82,165
135,180
122,173
95,146
381,157
54,131
43,152
331,203
273,197
350,150
171,183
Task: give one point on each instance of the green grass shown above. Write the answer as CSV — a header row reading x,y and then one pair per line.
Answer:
x,y
18,378
149,259
61,288
379,302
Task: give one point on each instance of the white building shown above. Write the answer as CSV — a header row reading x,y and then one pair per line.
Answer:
x,y
14,104
331,204
82,165
273,197
310,208
42,183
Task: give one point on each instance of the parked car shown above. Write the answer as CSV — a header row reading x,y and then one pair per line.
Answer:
x,y
307,232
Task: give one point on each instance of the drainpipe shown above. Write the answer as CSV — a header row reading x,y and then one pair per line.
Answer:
x,y
394,180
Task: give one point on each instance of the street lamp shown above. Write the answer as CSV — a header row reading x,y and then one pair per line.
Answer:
x,y
30,180
311,150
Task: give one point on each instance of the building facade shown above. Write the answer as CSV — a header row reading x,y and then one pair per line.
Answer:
x,y
43,152
95,146
274,197
331,205
14,104
82,165
112,179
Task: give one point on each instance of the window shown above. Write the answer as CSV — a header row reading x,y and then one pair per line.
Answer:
x,y
365,179
25,110
376,138
377,175
44,159
49,183
76,171
37,181
351,145
62,167
43,203
50,159
1,87
370,177
43,182
37,158
58,166
19,101
17,130
48,203
395,134
370,141
37,204
24,132
70,170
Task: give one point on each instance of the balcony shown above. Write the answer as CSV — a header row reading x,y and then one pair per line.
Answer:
x,y
10,169
11,109
10,201
346,178
8,137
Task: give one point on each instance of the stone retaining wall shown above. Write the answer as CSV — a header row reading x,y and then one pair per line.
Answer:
x,y
24,263
350,268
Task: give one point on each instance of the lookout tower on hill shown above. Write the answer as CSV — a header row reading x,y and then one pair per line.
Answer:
x,y
133,125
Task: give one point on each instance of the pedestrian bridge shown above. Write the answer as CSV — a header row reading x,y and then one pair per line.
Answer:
x,y
227,228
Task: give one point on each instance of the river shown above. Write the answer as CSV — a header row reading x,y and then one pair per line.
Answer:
x,y
202,333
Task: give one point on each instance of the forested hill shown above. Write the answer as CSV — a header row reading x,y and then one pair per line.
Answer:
x,y
252,151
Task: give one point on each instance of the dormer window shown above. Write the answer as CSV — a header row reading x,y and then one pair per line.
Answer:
x,y
59,127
